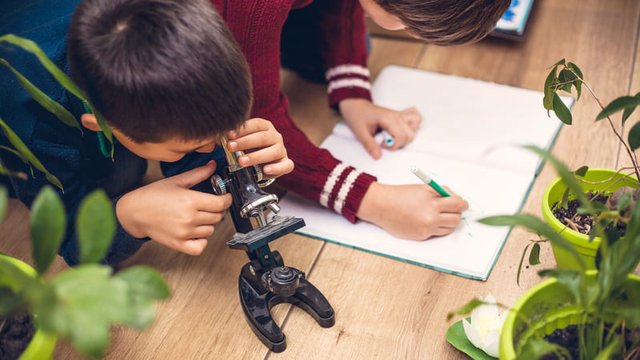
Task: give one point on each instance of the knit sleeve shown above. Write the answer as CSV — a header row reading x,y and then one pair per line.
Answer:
x,y
318,175
344,49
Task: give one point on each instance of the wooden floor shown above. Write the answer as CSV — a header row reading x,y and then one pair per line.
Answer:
x,y
385,309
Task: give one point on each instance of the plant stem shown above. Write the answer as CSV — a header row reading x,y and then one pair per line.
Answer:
x,y
632,156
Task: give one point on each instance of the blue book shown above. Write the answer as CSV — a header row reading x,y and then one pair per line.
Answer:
x,y
514,21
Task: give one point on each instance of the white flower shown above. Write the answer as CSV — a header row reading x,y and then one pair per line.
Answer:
x,y
484,329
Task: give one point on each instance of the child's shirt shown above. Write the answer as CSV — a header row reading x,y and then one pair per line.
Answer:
x,y
74,158
257,26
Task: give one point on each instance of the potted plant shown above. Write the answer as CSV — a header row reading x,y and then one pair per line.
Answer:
x,y
612,192
590,308
81,303
577,314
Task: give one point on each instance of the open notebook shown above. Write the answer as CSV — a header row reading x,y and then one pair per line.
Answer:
x,y
467,141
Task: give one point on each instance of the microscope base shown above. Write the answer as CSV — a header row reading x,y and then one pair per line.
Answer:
x,y
257,301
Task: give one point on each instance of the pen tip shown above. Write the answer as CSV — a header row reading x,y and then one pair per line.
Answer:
x,y
413,169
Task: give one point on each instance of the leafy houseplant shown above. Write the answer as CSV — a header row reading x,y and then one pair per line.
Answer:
x,y
613,192
580,313
602,307
81,303
597,311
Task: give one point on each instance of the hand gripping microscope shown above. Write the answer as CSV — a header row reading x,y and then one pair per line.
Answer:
x,y
265,281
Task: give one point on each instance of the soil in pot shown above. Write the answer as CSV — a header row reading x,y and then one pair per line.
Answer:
x,y
16,332
568,338
582,223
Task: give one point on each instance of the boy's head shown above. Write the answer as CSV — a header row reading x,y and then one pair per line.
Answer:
x,y
159,71
441,22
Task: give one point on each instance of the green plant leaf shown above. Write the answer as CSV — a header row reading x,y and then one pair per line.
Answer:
x,y
145,283
48,223
27,154
572,280
59,75
628,111
575,69
630,312
15,152
624,201
562,111
578,83
549,92
567,78
457,337
567,177
95,226
466,309
43,99
13,277
4,202
536,348
621,103
634,136
87,301
565,198
534,224
560,62
582,171
612,349
145,286
534,255
9,301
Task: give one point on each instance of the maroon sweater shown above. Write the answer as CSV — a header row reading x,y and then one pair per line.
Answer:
x,y
257,26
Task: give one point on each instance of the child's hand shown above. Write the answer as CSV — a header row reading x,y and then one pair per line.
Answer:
x,y
169,212
265,145
414,212
364,118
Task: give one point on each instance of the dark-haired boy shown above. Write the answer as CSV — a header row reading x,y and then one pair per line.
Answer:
x,y
324,40
169,79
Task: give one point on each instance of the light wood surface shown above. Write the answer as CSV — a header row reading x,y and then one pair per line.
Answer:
x,y
385,309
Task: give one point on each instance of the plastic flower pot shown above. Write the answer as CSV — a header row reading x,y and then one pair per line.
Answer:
x,y
42,344
547,307
586,248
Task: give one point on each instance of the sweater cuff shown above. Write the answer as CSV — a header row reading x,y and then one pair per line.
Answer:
x,y
344,190
123,246
347,81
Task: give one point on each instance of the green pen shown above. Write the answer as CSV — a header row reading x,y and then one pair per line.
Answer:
x,y
429,181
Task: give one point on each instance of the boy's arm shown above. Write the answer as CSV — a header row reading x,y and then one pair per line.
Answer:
x,y
345,52
64,162
317,175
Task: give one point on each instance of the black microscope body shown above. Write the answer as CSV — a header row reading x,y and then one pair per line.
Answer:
x,y
265,281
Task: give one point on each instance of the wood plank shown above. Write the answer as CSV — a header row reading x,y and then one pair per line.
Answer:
x,y
387,309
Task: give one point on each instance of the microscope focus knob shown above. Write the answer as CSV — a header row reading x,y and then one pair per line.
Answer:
x,y
283,280
219,185
274,207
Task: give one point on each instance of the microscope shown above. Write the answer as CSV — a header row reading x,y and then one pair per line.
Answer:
x,y
265,281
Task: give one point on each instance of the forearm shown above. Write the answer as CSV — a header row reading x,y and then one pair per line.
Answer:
x,y
318,175
122,247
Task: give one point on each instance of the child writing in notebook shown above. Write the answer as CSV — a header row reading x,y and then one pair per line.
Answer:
x,y
324,40
147,67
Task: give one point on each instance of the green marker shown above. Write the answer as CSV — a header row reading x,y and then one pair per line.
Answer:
x,y
429,181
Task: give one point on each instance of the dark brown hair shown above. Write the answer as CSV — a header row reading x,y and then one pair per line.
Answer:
x,y
447,22
157,69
